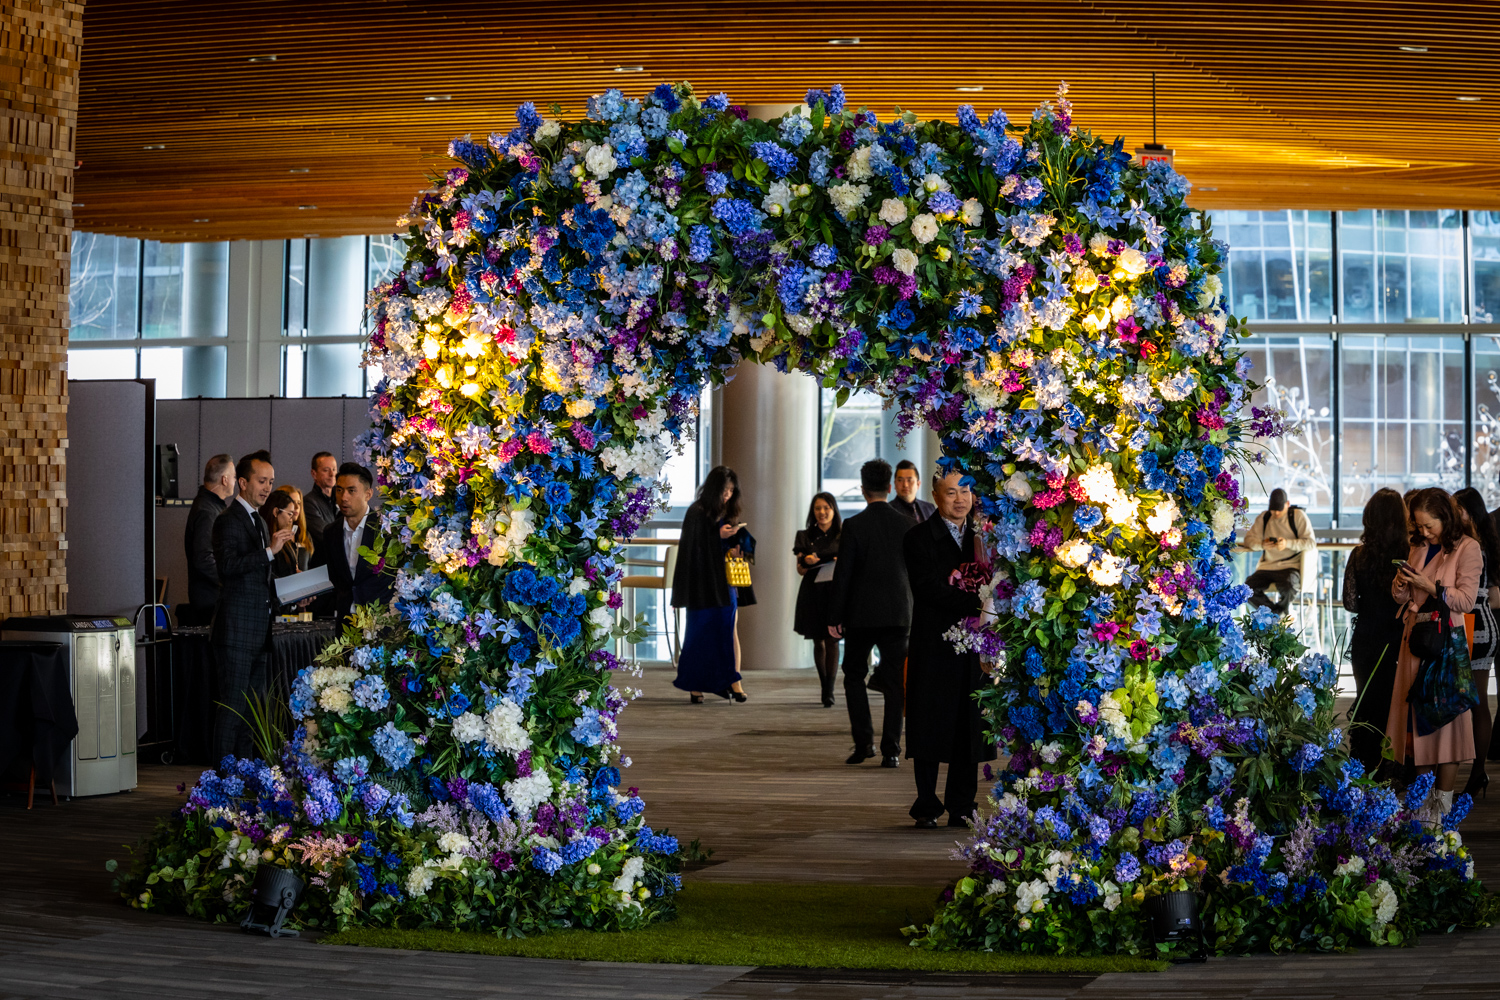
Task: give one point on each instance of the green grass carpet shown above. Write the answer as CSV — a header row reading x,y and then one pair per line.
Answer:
x,y
803,926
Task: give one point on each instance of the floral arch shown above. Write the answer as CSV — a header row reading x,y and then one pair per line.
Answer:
x,y
1051,309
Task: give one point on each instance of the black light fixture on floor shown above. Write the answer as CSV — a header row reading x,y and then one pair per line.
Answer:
x,y
1173,919
272,900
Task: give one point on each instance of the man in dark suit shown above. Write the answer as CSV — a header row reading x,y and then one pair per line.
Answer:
x,y
943,724
871,607
244,548
908,482
320,508
355,581
198,541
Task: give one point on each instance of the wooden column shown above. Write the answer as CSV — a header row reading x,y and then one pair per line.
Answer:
x,y
39,52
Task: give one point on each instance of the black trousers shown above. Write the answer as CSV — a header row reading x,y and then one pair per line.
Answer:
x,y
1288,582
892,645
240,672
959,793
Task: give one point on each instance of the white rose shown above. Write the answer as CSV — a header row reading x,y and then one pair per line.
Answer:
x,y
780,196
893,211
1222,521
1018,487
600,160
904,260
973,212
1163,517
935,182
924,228
1107,571
1074,553
550,130
1132,262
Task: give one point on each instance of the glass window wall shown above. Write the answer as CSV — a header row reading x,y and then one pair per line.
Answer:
x,y
1280,267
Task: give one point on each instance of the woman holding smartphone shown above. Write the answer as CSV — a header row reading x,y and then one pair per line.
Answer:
x,y
711,530
816,549
1378,623
1446,563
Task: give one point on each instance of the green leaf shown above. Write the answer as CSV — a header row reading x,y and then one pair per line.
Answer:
x,y
842,397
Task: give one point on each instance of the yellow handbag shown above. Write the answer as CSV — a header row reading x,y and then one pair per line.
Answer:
x,y
737,571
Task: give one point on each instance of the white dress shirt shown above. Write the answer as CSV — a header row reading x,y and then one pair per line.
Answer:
x,y
352,538
956,530
256,518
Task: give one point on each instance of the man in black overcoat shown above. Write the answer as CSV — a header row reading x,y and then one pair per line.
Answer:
x,y
244,548
943,724
355,580
870,608
198,541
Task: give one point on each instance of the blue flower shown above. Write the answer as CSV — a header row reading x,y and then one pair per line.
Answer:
x,y
547,861
1127,869
718,102
824,255
1305,699
371,694
700,243
1088,517
795,128
395,747
738,215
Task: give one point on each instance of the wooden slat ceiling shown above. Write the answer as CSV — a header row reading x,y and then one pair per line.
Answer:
x,y
1268,105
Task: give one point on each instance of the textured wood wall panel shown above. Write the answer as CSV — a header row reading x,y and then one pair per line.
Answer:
x,y
39,49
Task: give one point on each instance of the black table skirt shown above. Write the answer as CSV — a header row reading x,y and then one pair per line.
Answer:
x,y
37,721
293,646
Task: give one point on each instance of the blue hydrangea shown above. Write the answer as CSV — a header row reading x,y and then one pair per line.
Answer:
x,y
1306,700
447,607
395,747
352,770
1220,771
774,156
1307,757
1174,692
718,102
608,106
1262,676
818,166
371,694
739,216
588,730
700,243
794,129
824,255
547,861
649,842
1127,869
715,183
1029,600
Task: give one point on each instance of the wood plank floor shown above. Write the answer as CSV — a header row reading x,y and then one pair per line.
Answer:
x,y
762,784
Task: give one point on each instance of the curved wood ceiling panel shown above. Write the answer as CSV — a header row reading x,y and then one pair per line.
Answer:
x,y
1268,105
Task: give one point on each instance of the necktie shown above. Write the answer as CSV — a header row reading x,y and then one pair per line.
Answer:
x,y
265,537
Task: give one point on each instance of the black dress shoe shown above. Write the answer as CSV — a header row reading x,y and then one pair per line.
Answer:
x,y
890,762
860,756
926,824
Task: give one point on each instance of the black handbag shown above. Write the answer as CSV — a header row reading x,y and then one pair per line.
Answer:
x,y
1428,635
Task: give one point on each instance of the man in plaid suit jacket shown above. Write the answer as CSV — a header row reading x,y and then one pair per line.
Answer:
x,y
241,636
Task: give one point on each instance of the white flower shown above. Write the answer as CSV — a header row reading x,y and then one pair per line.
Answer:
x,y
1050,752
934,182
632,871
1354,866
904,260
1221,521
995,888
550,130
1098,483
924,228
468,728
847,197
1018,487
418,881
453,843
1107,571
1163,517
1122,509
525,794
600,160
1132,262
892,211
973,212
1384,898
503,729
1111,894
1074,552
1030,896
780,195
1024,923
858,166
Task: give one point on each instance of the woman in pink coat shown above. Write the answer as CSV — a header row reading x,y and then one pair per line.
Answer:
x,y
1445,561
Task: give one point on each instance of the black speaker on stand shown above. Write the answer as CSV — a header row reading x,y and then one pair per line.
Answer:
x,y
166,471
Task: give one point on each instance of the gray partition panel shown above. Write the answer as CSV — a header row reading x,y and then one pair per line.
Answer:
x,y
300,428
238,426
110,487
177,423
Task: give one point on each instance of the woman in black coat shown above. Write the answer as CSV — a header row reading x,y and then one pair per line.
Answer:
x,y
711,530
943,723
1378,626
816,549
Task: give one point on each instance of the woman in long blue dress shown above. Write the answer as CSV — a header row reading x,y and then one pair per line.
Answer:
x,y
711,529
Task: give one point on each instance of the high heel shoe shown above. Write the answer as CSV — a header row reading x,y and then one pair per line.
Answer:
x,y
739,696
696,699
1478,786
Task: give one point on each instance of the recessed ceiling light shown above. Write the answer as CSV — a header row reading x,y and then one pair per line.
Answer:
x,y
843,41
261,59
309,236
1208,189
158,145
438,97
306,208
630,69
1468,100
298,170
969,90
1412,48
78,204
200,220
